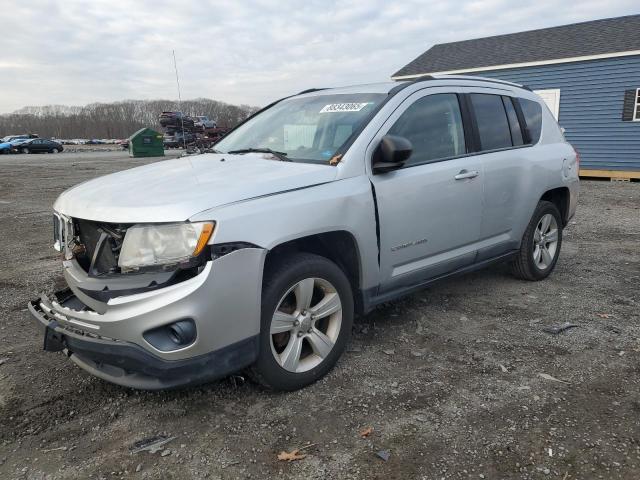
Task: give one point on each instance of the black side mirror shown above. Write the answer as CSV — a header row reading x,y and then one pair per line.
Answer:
x,y
391,154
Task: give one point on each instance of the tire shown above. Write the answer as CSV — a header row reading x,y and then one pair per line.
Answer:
x,y
540,245
285,288
55,150
25,150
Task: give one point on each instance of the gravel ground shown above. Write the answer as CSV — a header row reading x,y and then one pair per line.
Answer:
x,y
448,378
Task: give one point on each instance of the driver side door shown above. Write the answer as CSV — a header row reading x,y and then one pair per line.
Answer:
x,y
430,210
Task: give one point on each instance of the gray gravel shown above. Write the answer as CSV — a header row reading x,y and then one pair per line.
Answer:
x,y
449,378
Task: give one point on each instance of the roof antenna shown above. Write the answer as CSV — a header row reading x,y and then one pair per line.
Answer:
x,y
175,66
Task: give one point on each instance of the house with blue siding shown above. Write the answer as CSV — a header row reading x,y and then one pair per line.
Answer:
x,y
587,73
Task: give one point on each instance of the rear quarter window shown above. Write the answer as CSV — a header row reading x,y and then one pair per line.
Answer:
x,y
532,112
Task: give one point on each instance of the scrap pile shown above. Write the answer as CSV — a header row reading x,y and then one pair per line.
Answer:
x,y
182,130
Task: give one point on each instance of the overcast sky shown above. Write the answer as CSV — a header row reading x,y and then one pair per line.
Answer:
x,y
77,52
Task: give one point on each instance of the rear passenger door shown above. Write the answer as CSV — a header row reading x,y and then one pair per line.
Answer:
x,y
36,146
430,210
499,141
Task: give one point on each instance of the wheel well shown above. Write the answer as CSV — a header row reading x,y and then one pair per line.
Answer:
x,y
340,247
559,197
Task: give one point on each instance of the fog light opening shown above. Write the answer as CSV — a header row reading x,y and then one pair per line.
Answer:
x,y
176,335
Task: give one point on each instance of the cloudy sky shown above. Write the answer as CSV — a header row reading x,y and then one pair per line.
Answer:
x,y
78,52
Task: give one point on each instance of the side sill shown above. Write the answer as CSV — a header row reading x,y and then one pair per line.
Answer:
x,y
371,297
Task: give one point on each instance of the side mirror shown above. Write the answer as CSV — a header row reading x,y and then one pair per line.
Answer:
x,y
391,154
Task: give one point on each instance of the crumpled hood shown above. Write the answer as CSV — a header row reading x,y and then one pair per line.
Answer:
x,y
175,190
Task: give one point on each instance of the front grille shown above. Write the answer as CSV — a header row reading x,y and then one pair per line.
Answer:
x,y
98,246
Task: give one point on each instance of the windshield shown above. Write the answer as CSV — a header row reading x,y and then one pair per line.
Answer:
x,y
305,129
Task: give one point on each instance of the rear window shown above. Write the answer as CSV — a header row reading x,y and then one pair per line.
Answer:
x,y
491,118
532,112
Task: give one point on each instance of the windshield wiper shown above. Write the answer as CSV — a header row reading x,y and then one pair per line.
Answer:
x,y
280,155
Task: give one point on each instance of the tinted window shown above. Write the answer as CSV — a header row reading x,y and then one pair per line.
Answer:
x,y
491,118
532,112
514,124
433,124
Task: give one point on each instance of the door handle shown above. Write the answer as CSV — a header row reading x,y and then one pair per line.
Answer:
x,y
466,174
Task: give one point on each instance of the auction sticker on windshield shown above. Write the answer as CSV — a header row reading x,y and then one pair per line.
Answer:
x,y
343,107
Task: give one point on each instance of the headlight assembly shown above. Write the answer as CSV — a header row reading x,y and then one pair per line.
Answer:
x,y
162,244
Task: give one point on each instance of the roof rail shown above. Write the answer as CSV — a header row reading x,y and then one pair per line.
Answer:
x,y
478,79
309,90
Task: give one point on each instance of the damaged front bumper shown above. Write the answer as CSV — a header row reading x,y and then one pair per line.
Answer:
x,y
222,302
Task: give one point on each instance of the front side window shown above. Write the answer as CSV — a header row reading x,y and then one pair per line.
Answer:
x,y
532,112
433,125
305,129
491,118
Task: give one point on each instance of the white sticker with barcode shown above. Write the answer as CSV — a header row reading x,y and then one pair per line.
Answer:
x,y
343,107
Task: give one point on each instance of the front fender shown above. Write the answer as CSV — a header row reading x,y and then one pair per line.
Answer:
x,y
269,221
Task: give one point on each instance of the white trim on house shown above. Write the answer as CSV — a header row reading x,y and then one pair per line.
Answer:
x,y
636,106
524,64
551,97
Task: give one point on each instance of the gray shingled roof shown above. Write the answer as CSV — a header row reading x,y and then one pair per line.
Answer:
x,y
597,37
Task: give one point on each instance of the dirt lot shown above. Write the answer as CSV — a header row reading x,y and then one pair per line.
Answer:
x,y
449,378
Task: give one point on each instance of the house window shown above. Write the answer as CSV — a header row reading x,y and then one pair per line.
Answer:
x,y
631,107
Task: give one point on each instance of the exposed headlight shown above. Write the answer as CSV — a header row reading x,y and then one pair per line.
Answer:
x,y
148,245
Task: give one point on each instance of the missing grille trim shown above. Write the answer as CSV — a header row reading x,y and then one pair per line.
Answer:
x,y
101,244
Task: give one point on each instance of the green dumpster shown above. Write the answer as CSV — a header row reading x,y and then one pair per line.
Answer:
x,y
146,143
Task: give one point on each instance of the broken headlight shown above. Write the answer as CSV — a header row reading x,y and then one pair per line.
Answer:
x,y
162,244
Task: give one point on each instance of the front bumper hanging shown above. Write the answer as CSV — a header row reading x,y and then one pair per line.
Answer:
x,y
128,364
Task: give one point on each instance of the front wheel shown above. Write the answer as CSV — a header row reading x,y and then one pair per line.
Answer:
x,y
25,150
307,315
540,245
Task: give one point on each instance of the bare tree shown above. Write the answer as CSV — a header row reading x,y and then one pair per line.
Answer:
x,y
113,120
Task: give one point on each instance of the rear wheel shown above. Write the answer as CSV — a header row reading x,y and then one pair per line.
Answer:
x,y
55,150
25,150
307,315
540,245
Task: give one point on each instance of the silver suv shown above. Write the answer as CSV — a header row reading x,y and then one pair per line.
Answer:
x,y
317,208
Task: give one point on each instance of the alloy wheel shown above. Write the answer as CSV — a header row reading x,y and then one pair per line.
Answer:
x,y
305,325
545,241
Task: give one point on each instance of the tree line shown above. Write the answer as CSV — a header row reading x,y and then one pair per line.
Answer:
x,y
113,120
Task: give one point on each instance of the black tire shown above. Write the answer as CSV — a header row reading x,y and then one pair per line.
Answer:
x,y
523,265
25,150
279,279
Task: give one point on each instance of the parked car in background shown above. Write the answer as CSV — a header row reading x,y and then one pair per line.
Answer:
x,y
38,145
175,119
177,140
12,145
10,138
203,122
124,143
260,254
